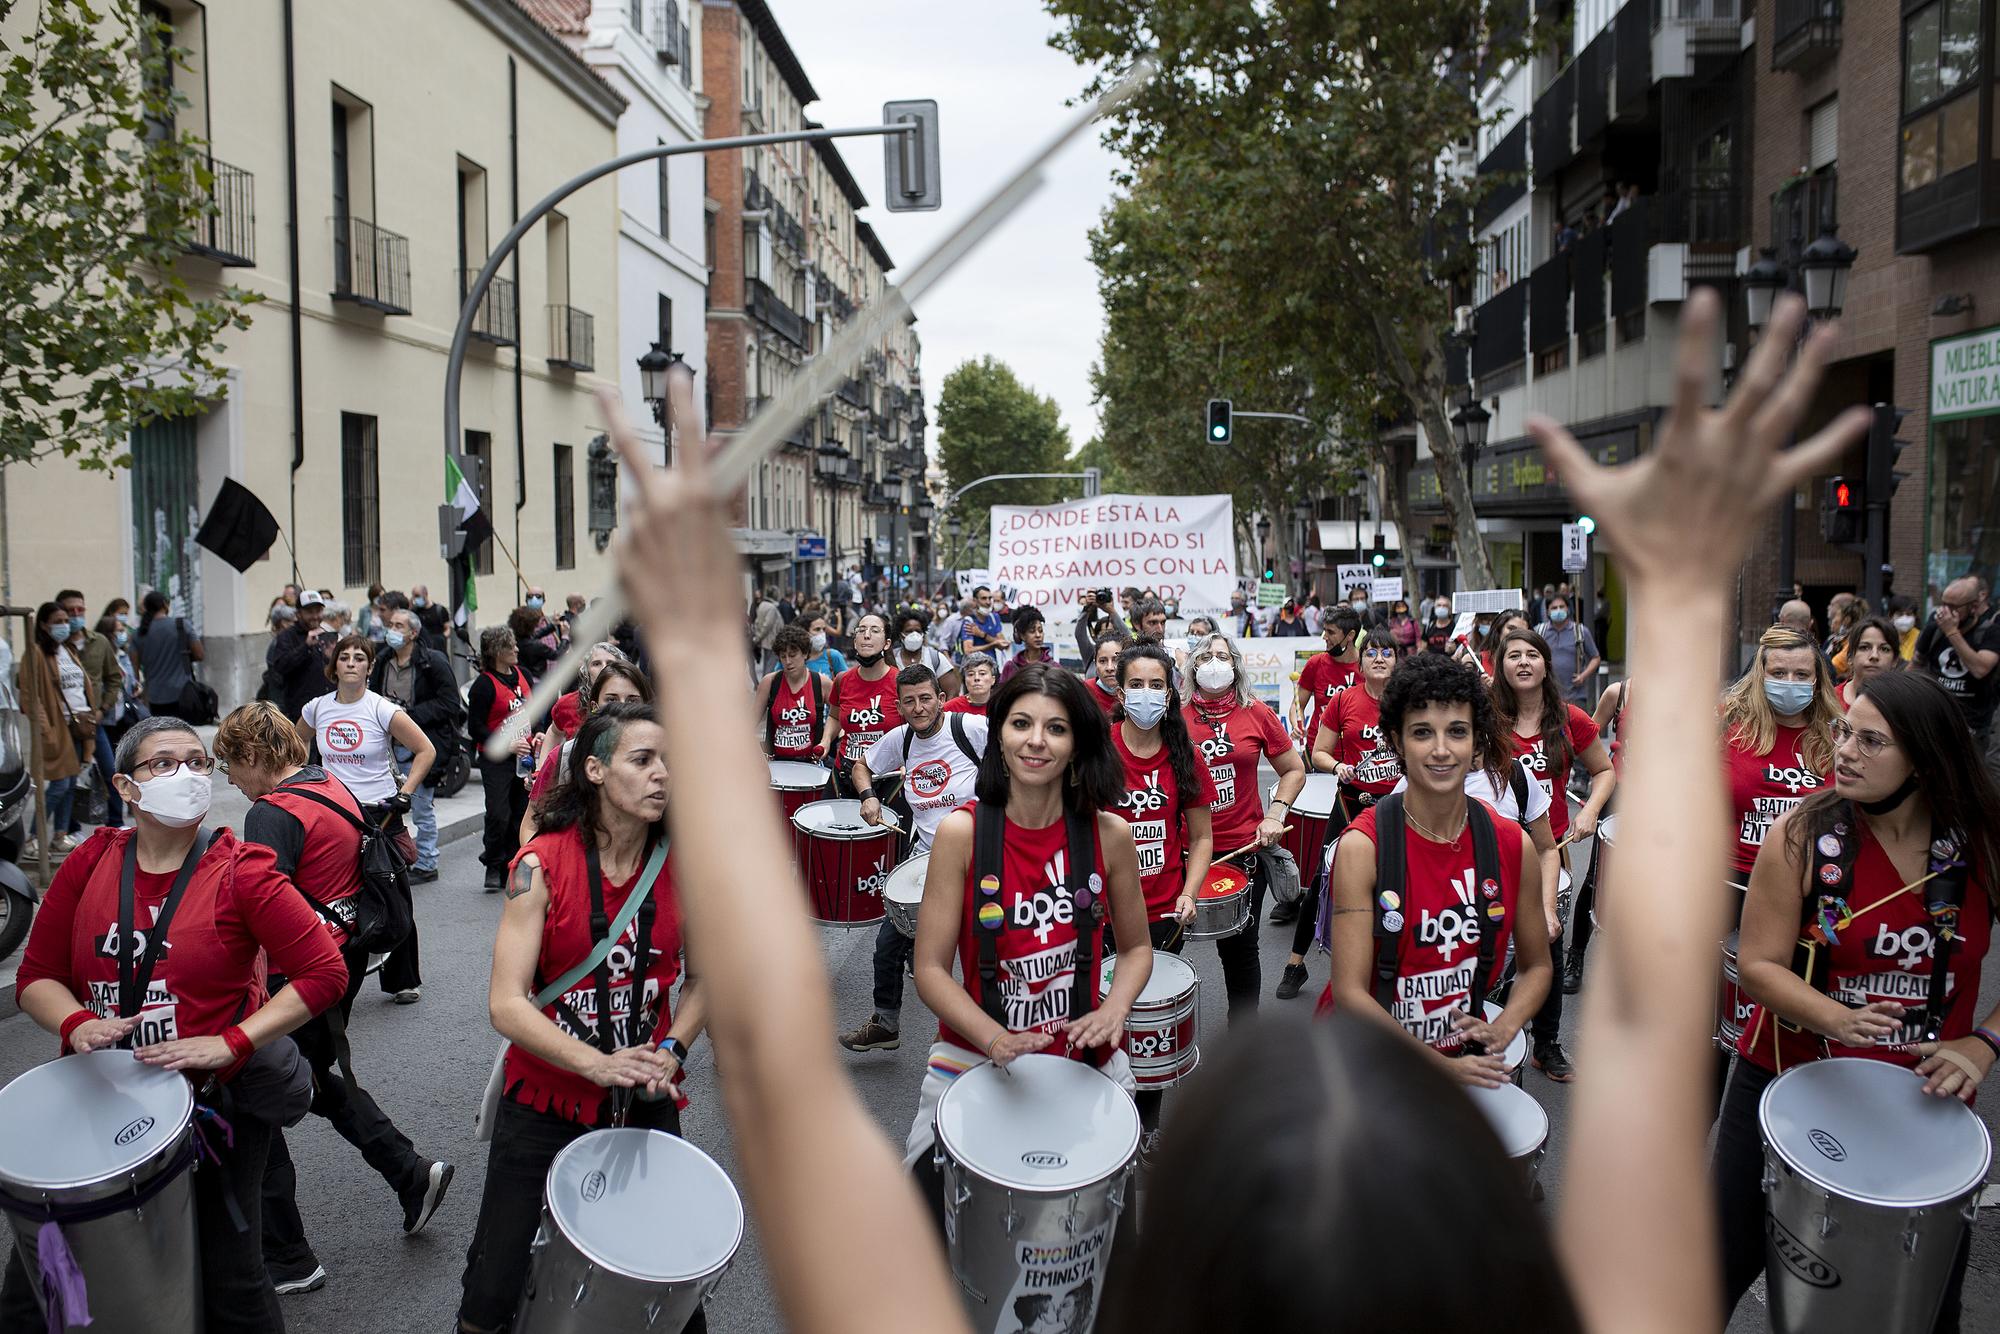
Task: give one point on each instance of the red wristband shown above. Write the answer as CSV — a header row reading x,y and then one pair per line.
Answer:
x,y
239,1042
74,1022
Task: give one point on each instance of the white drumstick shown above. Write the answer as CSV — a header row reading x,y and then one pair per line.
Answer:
x,y
736,460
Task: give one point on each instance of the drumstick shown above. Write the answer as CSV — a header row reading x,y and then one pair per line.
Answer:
x,y
1251,846
817,379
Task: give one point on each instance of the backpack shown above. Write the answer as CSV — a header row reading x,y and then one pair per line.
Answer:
x,y
382,913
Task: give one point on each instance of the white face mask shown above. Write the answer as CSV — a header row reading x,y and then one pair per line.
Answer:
x,y
819,643
912,642
1904,624
1214,674
178,799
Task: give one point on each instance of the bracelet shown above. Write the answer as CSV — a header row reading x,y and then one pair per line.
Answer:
x,y
74,1022
239,1042
1991,1039
989,1044
675,1048
1280,801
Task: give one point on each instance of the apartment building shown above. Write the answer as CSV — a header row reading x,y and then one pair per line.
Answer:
x,y
412,135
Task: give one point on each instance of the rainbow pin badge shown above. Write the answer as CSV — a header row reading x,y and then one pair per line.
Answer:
x,y
989,884
991,916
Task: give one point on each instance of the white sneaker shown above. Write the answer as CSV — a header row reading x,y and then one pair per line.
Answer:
x,y
410,996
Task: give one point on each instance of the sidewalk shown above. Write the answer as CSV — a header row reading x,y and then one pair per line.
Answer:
x,y
458,817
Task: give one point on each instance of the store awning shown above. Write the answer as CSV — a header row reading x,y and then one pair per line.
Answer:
x,y
1357,534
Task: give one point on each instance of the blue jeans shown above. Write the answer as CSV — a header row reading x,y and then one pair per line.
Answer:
x,y
114,805
60,798
423,819
892,955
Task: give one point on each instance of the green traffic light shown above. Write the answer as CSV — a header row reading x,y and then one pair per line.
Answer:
x,y
1588,524
1217,432
1379,559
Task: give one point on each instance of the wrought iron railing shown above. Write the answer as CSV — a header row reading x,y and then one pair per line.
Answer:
x,y
371,266
498,318
226,231
572,338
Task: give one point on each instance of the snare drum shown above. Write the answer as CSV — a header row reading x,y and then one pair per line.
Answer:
x,y
1222,907
1519,1121
638,1226
1732,1003
1869,1186
1310,813
1162,1030
1516,1054
797,784
1036,1160
904,893
101,1132
846,861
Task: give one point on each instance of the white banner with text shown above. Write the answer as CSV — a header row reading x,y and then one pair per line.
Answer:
x,y
1181,547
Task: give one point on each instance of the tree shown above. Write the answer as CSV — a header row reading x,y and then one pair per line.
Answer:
x,y
1304,145
99,332
989,422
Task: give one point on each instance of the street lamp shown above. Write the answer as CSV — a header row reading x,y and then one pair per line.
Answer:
x,y
1468,426
653,368
1761,285
1824,269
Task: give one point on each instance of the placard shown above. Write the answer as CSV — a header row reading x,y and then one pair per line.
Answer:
x,y
1181,547
1349,576
1270,595
1386,590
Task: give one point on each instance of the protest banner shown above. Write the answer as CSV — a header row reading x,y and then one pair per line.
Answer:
x,y
1181,547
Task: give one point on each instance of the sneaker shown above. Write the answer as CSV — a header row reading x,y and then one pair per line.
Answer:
x,y
1552,1061
1290,984
872,1036
423,875
421,1203
288,1279
61,845
409,996
496,879
1572,974
1285,913
1149,1149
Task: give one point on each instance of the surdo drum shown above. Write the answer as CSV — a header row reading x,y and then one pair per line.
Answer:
x,y
94,1158
638,1226
1732,1002
1161,1031
1037,1160
846,861
1869,1188
797,784
1310,815
1520,1122
1600,862
904,893
1222,905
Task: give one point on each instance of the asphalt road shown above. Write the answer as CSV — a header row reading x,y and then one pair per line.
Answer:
x,y
427,1063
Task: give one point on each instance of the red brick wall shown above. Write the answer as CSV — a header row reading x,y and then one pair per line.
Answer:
x,y
722,83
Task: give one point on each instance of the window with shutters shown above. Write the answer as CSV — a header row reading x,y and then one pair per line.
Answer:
x,y
360,514
1823,134
565,498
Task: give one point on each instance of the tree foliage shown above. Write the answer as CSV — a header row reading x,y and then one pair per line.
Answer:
x,y
989,422
99,332
1302,151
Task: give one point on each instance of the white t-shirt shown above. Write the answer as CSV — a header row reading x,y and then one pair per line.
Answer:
x,y
69,674
926,657
1479,784
354,743
938,777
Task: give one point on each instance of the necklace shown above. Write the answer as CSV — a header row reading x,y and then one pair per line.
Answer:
x,y
1434,836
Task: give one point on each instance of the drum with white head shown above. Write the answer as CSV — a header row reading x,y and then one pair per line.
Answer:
x,y
846,861
638,1226
904,893
1516,1054
1037,1161
1519,1121
1161,1031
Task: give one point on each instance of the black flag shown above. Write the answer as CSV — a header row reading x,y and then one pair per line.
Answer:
x,y
238,527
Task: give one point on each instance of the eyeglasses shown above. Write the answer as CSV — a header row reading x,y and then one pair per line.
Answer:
x,y
1870,744
1379,651
162,765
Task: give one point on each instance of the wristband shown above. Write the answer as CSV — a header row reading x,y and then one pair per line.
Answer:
x,y
1991,1039
989,1044
239,1042
74,1022
1280,801
675,1048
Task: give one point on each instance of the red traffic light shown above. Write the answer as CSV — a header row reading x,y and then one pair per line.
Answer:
x,y
1843,496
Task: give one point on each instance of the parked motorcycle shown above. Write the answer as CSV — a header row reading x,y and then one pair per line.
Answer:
x,y
18,895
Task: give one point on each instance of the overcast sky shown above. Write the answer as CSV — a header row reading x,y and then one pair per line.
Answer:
x,y
1029,294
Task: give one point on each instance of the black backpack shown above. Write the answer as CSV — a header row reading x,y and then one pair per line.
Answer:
x,y
382,913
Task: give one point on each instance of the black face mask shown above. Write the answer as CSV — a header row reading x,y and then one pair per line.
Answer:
x,y
868,659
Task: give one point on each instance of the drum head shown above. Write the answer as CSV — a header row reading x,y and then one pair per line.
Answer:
x,y
1222,882
1515,1116
1517,1050
840,818
906,882
797,776
1045,1124
1171,976
1864,1129
645,1204
84,1118
1316,798
1607,830
1729,944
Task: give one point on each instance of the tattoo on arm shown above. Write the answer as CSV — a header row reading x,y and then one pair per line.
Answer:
x,y
524,880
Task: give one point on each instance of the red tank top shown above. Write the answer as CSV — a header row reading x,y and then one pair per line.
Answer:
x,y
1107,700
1037,947
865,709
506,698
794,722
1157,810
1764,787
1357,722
1550,767
1884,954
566,942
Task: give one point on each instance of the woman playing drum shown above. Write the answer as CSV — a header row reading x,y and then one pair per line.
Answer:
x,y
1866,885
192,1000
1777,741
1871,649
864,700
568,1070
792,701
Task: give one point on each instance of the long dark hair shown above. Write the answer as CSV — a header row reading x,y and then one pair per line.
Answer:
x,y
1096,780
1432,678
151,607
1555,710
1931,730
45,641
577,802
1881,626
618,670
1326,1201
1173,727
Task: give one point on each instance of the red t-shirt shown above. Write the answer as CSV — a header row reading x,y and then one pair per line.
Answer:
x,y
566,941
1884,955
960,704
567,715
1323,677
325,864
1763,787
865,710
237,906
794,723
1548,766
1230,741
1107,700
1038,944
1154,804
1357,724
506,699
1445,907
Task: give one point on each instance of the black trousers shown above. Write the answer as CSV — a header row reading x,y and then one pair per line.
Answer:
x,y
1737,1169
403,969
236,1293
352,1112
525,1143
506,803
1242,971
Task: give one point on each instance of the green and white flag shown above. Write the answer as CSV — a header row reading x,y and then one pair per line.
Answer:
x,y
462,495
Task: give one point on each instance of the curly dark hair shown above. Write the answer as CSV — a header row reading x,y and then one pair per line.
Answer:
x,y
576,800
1099,778
1173,726
1424,679
1555,710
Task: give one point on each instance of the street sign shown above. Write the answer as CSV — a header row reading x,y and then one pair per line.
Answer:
x,y
810,546
1270,594
1349,575
1576,547
1386,590
910,159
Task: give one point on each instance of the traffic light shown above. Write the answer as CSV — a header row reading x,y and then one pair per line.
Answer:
x,y
1220,424
1840,511
1270,572
1381,556
906,567
1379,560
1883,447
1588,524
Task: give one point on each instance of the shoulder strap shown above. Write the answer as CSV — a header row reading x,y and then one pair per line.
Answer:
x,y
958,735
989,832
1518,779
1391,872
604,936
1486,865
819,700
1087,909
135,975
324,800
1947,896
648,878
772,683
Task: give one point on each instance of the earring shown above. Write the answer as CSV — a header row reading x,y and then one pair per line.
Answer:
x,y
1074,781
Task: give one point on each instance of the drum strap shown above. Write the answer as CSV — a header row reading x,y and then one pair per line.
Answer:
x,y
989,832
600,930
135,975
1391,881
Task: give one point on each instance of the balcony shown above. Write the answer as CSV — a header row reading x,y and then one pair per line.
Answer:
x,y
1631,238
1593,89
226,233
1801,209
371,266
756,196
1548,304
753,113
886,497
851,393
1631,62
1948,188
498,318
572,339
764,305
1509,161
1588,264
1501,337
1684,30
668,37
1551,124
1804,33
